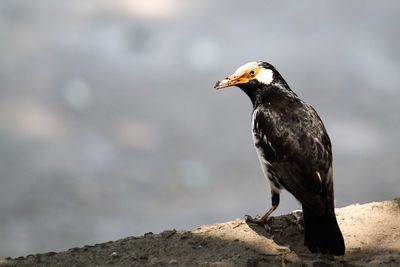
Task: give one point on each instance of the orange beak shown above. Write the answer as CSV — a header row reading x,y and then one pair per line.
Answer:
x,y
230,81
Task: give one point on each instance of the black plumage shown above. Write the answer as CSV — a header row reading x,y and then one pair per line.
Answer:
x,y
294,151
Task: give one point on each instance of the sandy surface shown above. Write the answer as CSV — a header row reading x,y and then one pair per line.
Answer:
x,y
371,232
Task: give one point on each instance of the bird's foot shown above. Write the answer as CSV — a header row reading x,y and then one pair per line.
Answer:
x,y
299,220
259,221
300,223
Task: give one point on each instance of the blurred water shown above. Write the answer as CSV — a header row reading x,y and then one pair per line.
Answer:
x,y
110,126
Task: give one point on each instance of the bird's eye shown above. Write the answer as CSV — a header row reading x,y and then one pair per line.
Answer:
x,y
252,72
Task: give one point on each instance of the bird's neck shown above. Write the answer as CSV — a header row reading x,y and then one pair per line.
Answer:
x,y
259,94
254,93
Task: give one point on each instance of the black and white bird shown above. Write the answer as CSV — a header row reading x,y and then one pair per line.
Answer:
x,y
294,150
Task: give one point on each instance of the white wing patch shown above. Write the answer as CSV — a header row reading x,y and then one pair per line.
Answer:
x,y
319,177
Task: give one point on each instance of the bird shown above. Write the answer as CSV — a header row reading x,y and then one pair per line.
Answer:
x,y
294,151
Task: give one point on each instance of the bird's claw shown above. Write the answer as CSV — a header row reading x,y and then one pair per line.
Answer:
x,y
300,223
263,223
254,220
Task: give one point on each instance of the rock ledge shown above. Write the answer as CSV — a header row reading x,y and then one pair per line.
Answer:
x,y
371,232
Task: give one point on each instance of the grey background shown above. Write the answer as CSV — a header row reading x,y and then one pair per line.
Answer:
x,y
110,126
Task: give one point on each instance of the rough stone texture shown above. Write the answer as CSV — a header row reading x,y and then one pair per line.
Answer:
x,y
371,232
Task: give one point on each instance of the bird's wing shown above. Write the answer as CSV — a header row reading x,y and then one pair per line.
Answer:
x,y
299,150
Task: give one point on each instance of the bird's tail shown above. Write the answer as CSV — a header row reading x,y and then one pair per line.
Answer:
x,y
322,233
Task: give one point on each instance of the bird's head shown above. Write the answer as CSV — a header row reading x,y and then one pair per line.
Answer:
x,y
253,73
254,78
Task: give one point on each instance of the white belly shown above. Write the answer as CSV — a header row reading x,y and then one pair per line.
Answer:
x,y
263,162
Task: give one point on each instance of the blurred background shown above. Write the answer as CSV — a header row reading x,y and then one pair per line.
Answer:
x,y
110,126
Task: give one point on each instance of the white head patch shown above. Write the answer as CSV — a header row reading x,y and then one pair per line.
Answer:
x,y
264,76
242,69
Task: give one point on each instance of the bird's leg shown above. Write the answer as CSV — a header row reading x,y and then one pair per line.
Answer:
x,y
263,219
